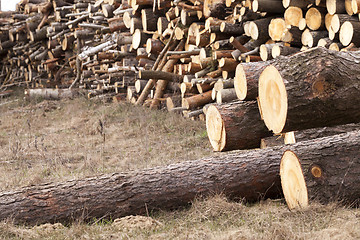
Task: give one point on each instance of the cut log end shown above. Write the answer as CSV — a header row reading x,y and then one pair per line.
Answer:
x,y
277,28
240,82
273,99
215,128
346,33
293,181
313,18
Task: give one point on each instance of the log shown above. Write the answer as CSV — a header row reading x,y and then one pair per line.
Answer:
x,y
236,125
292,99
330,174
250,175
335,6
52,93
225,95
277,28
349,32
246,79
311,38
149,74
197,100
293,15
270,6
315,18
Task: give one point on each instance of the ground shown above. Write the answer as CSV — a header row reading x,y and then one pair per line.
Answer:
x,y
51,141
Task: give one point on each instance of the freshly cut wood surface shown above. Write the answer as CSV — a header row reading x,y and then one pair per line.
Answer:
x,y
331,173
277,28
315,18
293,15
293,182
349,32
235,125
292,99
246,79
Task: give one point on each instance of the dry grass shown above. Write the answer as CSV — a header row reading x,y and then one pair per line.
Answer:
x,y
51,141
43,141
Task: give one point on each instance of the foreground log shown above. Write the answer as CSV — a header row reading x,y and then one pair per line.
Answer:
x,y
236,125
292,99
250,175
330,174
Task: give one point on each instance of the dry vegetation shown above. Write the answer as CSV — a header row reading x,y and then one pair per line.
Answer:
x,y
42,141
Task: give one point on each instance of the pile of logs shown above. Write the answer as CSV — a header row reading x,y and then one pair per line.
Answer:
x,y
271,66
111,48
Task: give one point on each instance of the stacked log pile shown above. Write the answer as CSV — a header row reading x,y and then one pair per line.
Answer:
x,y
255,59
103,46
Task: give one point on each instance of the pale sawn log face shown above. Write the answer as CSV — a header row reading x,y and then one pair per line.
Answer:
x,y
321,89
333,172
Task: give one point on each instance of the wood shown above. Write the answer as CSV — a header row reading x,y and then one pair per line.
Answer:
x,y
52,94
277,28
150,74
236,125
270,6
329,91
225,95
250,176
329,174
293,15
335,6
246,79
315,18
311,38
197,100
339,19
348,31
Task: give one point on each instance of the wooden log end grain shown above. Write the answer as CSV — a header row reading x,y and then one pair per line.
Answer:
x,y
293,15
273,99
315,18
240,83
293,182
235,125
348,31
277,28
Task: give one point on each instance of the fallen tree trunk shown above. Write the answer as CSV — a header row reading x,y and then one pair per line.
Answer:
x,y
250,175
331,174
315,88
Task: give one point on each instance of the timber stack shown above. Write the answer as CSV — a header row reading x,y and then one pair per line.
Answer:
x,y
252,58
286,67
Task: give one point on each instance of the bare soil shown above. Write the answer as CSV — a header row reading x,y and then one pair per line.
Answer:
x,y
49,141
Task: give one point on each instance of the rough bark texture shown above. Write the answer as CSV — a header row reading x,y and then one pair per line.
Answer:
x,y
339,164
240,127
251,71
250,175
321,87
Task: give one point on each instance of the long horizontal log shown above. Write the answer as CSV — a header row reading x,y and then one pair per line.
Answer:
x,y
250,175
150,74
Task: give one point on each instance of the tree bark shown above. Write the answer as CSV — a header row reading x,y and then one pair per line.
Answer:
x,y
322,92
247,78
236,125
331,173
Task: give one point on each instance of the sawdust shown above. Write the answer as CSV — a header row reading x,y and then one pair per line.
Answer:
x,y
130,223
